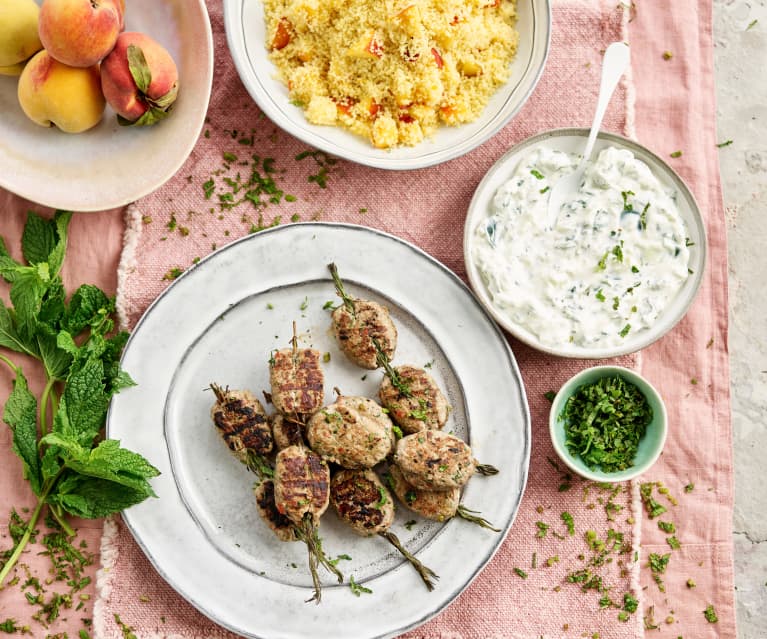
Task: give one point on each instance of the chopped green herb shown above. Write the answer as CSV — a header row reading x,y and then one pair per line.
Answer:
x,y
600,295
358,589
9,626
397,431
602,264
329,305
544,189
723,144
654,508
691,583
625,330
173,273
229,157
667,55
751,24
630,604
658,563
616,303
409,524
304,304
604,423
270,306
643,216
569,522
521,573
634,269
676,154
536,174
550,395
667,526
689,487
674,543
542,529
326,357
382,500
623,616
295,217
710,614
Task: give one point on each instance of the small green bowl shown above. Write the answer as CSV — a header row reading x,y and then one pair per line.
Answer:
x,y
651,444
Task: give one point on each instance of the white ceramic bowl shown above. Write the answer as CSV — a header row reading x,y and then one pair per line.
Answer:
x,y
574,141
110,165
246,35
650,445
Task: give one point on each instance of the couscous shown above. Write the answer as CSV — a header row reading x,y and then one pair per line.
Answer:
x,y
391,71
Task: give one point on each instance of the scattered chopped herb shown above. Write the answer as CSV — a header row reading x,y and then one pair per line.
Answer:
x,y
536,174
616,303
710,614
649,619
270,306
295,217
329,305
602,264
382,500
667,55
691,583
304,304
569,522
676,154
409,524
125,628
618,252
534,561
694,381
397,431
630,604
173,273
723,144
410,496
623,616
605,421
208,188
542,529
334,562
521,573
751,24
674,543
358,589
667,526
326,357
689,487
544,189
654,508
550,395
600,295
9,626
552,560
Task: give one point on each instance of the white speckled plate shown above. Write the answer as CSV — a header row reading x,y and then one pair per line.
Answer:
x,y
218,323
246,36
574,141
109,165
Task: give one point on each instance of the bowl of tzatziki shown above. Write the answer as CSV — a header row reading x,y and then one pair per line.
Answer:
x,y
609,273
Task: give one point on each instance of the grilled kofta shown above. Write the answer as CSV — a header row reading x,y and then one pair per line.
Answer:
x,y
297,381
356,323
413,399
437,505
267,508
363,502
244,426
286,431
435,460
301,493
353,432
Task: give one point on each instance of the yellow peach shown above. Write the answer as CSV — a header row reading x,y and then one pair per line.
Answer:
x,y
18,32
51,92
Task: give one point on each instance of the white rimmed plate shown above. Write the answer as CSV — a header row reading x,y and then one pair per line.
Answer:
x,y
218,323
574,141
246,35
109,165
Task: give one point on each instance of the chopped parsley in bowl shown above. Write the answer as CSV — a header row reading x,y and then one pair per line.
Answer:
x,y
608,423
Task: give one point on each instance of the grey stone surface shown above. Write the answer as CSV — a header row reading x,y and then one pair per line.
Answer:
x,y
740,39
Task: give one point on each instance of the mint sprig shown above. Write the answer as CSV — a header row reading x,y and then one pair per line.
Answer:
x,y
58,437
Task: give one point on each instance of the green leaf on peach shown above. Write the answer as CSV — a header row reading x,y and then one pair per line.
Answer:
x,y
139,68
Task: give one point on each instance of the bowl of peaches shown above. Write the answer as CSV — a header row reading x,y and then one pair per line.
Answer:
x,y
101,102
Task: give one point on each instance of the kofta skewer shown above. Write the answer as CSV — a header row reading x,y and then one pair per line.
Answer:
x,y
301,493
435,460
412,397
364,503
437,505
244,426
356,322
296,380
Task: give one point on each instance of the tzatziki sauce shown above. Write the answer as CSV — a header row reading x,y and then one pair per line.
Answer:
x,y
604,269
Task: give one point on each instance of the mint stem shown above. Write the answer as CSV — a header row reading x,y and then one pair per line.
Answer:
x,y
12,366
44,406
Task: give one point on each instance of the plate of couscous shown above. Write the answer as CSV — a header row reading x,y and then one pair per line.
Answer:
x,y
401,84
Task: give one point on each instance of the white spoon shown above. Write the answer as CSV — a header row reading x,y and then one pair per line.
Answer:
x,y
614,63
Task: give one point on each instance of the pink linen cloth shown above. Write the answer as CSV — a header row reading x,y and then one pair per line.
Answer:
x,y
673,102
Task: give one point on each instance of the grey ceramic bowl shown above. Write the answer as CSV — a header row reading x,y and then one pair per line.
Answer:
x,y
651,444
574,141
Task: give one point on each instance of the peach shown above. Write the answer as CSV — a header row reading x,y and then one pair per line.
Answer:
x,y
51,92
80,33
139,79
18,34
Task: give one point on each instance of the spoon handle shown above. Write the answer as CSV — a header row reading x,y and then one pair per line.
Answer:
x,y
614,63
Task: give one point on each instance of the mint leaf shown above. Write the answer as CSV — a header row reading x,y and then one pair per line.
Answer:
x,y
53,307
56,258
120,380
9,337
8,265
20,414
39,238
27,293
139,68
87,306
55,360
84,402
91,497
108,461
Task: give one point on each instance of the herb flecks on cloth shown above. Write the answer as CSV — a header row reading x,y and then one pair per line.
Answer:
x,y
604,423
68,467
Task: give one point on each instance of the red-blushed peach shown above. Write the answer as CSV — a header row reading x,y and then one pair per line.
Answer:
x,y
80,33
139,79
51,92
